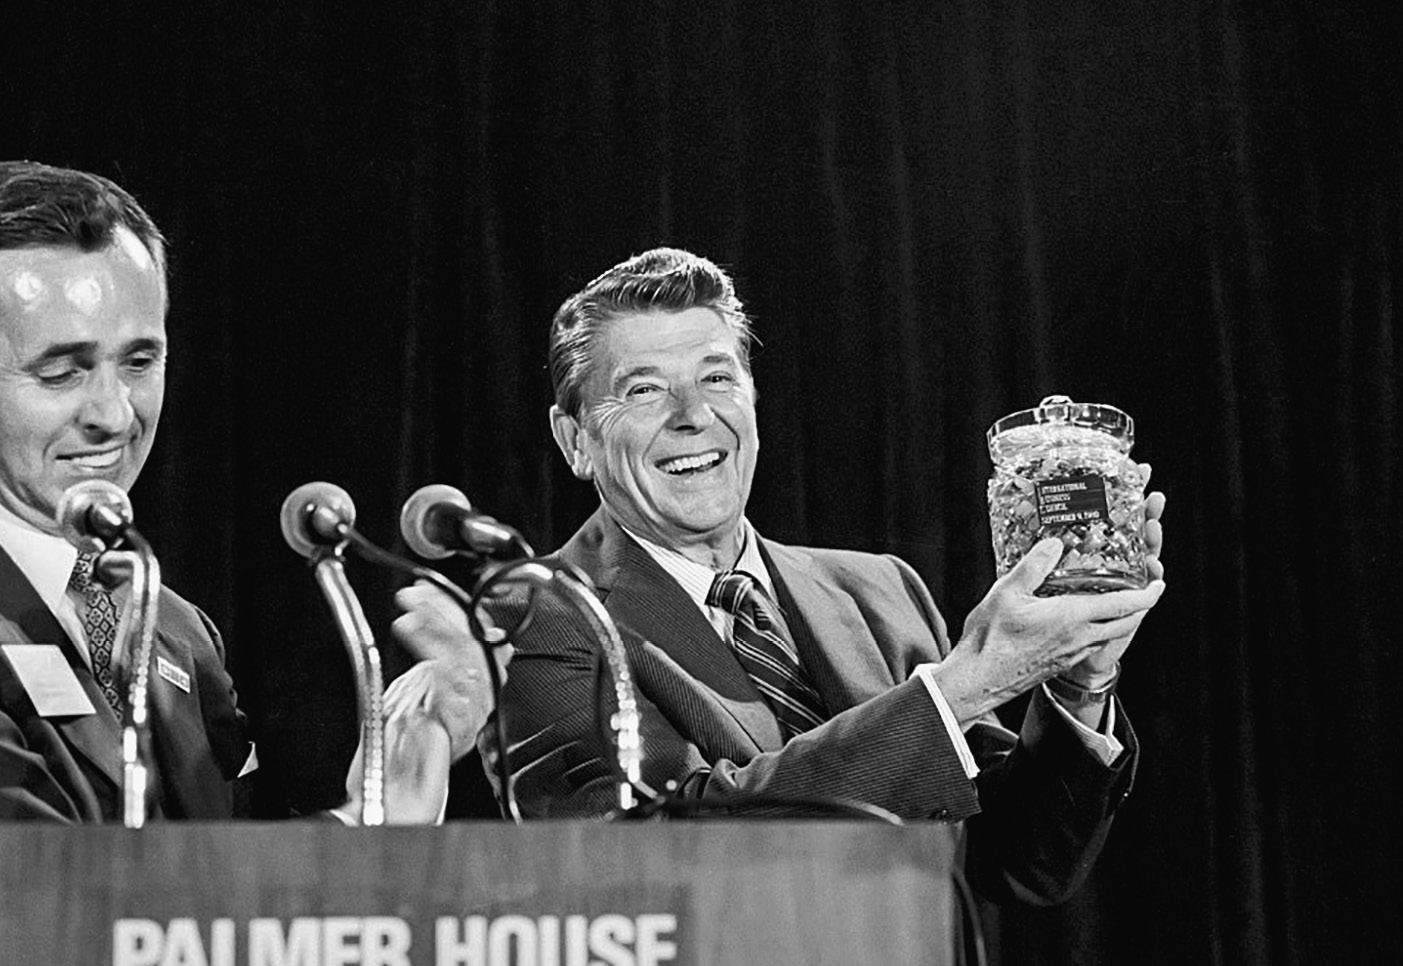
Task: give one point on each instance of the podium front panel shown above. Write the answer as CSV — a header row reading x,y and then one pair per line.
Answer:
x,y
766,893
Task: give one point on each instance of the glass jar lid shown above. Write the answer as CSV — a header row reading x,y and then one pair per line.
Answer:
x,y
1058,415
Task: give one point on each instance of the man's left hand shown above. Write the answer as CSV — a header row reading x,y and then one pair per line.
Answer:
x,y
1097,669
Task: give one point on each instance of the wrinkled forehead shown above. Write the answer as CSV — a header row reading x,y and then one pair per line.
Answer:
x,y
49,278
692,337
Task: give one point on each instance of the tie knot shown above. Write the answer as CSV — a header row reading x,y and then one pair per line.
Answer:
x,y
731,591
82,577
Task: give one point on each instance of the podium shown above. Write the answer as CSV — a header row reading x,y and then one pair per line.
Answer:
x,y
752,893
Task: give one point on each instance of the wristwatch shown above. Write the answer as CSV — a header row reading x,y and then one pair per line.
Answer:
x,y
1080,696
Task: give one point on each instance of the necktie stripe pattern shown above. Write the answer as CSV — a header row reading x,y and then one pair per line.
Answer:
x,y
795,693
767,654
99,624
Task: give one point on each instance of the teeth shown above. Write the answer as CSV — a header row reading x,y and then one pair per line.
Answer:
x,y
684,464
99,461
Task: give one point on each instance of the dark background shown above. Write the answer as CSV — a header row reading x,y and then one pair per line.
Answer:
x,y
937,213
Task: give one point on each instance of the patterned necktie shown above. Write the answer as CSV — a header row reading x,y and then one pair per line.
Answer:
x,y
99,624
766,652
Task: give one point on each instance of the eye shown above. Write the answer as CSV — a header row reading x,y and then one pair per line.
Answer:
x,y
642,390
142,362
58,375
722,379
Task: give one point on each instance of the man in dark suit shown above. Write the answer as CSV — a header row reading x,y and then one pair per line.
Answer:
x,y
82,381
776,678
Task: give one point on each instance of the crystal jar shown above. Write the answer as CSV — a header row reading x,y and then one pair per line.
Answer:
x,y
1064,470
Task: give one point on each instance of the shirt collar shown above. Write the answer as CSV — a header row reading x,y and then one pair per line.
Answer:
x,y
44,559
695,578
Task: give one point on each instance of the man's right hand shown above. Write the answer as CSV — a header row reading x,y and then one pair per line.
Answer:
x,y
451,680
1014,641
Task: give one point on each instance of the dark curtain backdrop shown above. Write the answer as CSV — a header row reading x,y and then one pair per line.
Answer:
x,y
938,213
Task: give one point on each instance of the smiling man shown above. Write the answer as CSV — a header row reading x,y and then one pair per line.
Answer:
x,y
777,679
82,381
655,373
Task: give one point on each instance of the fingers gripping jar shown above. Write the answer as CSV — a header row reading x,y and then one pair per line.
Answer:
x,y
1064,470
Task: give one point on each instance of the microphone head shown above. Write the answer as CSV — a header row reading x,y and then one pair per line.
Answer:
x,y
313,515
416,519
93,514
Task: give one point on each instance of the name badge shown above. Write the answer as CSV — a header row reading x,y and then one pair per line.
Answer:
x,y
173,674
48,680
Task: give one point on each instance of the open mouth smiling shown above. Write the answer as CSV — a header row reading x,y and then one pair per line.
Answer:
x,y
95,461
687,465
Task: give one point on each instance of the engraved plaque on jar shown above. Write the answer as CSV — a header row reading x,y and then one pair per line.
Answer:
x,y
1063,469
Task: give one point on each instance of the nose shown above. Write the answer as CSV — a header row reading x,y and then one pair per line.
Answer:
x,y
107,411
691,412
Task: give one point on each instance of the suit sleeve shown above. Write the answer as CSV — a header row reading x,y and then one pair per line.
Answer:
x,y
226,726
200,738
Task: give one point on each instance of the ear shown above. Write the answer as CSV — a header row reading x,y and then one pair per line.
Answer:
x,y
569,436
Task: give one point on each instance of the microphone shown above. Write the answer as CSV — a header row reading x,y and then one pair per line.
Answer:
x,y
316,516
318,522
438,521
94,515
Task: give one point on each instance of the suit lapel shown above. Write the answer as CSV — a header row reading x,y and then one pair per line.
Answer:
x,y
97,736
647,603
834,642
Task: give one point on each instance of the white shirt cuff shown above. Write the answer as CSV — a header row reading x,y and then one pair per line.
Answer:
x,y
1102,744
952,726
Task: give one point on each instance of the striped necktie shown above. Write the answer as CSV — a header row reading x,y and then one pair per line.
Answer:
x,y
766,651
99,624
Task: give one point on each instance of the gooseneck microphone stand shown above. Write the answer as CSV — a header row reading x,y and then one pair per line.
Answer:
x,y
317,521
551,575
468,604
628,740
329,571
96,517
438,521
140,642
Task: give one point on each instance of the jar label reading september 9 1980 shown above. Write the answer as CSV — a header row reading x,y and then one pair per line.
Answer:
x,y
1072,499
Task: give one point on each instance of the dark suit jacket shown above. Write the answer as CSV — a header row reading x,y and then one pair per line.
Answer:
x,y
70,768
862,623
